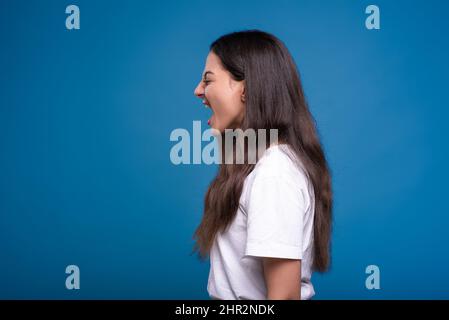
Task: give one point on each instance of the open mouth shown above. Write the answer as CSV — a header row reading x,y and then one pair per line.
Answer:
x,y
207,105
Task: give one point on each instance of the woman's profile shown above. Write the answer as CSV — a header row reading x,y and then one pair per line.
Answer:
x,y
266,225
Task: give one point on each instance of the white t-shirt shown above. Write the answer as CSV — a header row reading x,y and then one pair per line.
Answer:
x,y
275,219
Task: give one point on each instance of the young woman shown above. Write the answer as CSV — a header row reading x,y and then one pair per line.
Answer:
x,y
266,225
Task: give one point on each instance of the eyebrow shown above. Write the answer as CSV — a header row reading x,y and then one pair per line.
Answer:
x,y
206,73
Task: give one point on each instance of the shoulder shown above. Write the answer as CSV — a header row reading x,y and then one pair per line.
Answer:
x,y
279,183
279,162
278,172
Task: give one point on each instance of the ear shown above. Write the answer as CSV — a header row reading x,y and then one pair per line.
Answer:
x,y
243,94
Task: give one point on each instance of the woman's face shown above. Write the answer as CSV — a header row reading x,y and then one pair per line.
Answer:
x,y
224,95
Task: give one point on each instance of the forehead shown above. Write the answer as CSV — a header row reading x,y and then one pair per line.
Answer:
x,y
213,63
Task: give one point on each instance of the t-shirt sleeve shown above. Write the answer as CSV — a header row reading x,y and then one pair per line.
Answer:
x,y
275,218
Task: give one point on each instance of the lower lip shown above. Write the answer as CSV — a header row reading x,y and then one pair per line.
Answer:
x,y
209,122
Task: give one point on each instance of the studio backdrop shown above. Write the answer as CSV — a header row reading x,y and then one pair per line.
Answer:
x,y
91,92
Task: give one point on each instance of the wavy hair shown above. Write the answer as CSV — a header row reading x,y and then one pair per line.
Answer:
x,y
274,100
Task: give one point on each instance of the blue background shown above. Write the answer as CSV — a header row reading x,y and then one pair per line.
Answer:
x,y
86,115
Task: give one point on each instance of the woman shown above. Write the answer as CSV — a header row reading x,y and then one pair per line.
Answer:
x,y
266,225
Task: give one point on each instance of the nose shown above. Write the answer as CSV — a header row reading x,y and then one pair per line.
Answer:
x,y
199,90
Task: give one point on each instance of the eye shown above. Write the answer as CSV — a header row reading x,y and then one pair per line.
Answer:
x,y
206,82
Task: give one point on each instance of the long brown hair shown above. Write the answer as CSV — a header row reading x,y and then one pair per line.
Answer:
x,y
274,100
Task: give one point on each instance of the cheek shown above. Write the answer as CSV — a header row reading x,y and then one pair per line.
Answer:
x,y
225,102
231,106
226,105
